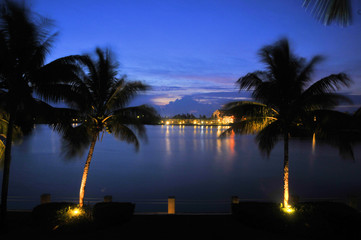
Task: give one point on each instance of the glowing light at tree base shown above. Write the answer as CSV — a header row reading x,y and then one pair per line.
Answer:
x,y
75,212
287,209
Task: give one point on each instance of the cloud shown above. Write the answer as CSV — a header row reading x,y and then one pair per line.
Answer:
x,y
200,103
187,104
195,71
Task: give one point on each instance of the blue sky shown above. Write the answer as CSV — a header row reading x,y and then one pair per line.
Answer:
x,y
192,52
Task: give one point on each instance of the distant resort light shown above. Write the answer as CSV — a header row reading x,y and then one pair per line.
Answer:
x,y
218,118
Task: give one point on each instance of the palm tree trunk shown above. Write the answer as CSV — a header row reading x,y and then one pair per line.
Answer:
x,y
285,172
86,170
6,171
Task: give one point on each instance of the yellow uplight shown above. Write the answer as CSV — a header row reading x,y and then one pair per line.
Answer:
x,y
288,209
75,212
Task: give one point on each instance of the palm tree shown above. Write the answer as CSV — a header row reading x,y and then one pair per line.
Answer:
x,y
25,42
102,107
329,11
286,104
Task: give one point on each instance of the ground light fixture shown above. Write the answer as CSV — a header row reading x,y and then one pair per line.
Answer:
x,y
288,209
75,212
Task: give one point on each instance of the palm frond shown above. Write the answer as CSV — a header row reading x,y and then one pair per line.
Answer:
x,y
252,80
113,93
269,94
61,70
125,92
135,114
41,51
269,136
90,70
107,68
62,80
329,11
75,140
124,133
251,125
329,84
248,109
305,74
277,57
133,117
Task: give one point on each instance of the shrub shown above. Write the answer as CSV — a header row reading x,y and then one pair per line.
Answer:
x,y
45,215
61,216
317,219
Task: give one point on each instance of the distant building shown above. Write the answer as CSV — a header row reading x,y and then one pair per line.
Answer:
x,y
222,118
219,117
217,114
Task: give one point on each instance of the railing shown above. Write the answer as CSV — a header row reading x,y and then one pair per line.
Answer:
x,y
171,205
168,205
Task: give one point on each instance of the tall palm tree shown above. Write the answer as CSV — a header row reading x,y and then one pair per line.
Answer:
x,y
286,103
329,11
102,107
25,41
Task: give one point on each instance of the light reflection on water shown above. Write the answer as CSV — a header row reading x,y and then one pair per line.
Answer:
x,y
189,162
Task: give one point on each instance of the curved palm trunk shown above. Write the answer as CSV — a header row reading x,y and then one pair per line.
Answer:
x,y
86,170
285,172
6,171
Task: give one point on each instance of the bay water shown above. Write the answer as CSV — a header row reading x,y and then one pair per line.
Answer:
x,y
190,163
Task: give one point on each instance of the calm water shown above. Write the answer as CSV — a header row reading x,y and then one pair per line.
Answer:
x,y
190,163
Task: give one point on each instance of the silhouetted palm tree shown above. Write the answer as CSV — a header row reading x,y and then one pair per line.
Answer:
x,y
286,103
102,107
25,41
328,11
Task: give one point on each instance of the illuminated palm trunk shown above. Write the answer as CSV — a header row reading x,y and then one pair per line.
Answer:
x,y
6,170
86,170
285,173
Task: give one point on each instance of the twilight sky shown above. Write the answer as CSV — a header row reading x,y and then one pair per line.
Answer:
x,y
192,52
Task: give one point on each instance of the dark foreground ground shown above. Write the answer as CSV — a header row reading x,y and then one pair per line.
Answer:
x,y
249,221
148,227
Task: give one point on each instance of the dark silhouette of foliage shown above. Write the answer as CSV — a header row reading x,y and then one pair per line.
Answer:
x,y
25,41
329,11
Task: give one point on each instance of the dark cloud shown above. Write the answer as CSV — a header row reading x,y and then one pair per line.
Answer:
x,y
200,103
187,104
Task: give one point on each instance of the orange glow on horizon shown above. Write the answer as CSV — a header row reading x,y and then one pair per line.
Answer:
x,y
163,100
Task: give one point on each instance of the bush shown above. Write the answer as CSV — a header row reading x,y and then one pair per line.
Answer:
x,y
309,219
112,213
46,216
61,217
